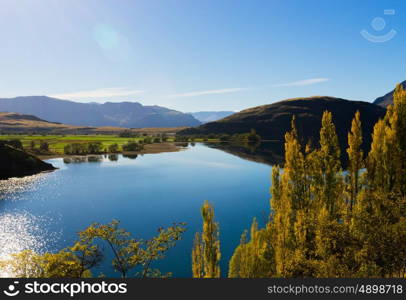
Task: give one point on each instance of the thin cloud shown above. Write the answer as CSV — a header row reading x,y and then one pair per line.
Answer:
x,y
99,93
302,82
207,92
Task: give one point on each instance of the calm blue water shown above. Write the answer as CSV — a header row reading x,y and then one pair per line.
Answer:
x,y
44,212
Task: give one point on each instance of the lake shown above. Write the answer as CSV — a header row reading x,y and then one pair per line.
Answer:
x,y
45,211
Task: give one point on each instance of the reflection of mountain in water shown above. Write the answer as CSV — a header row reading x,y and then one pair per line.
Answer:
x,y
270,153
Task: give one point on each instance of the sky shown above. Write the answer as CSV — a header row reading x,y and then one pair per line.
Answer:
x,y
195,55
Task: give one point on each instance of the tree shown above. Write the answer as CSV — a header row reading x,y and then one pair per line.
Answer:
x,y
113,148
253,137
130,253
292,210
206,251
379,220
32,145
88,255
164,137
254,258
197,257
355,159
94,148
156,248
311,231
399,123
28,264
77,261
327,178
43,146
132,146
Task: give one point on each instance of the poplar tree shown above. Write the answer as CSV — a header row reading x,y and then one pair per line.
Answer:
x,y
355,159
253,258
327,178
380,220
310,232
206,250
197,257
399,123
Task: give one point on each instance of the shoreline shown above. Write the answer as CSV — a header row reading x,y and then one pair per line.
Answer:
x,y
148,149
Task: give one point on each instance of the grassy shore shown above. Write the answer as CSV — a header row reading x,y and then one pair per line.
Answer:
x,y
148,149
58,142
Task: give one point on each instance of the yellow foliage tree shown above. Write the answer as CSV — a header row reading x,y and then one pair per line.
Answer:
x,y
206,250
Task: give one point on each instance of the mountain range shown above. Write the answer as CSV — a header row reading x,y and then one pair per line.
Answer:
x,y
123,114
14,123
45,114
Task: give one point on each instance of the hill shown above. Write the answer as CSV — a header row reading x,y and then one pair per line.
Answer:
x,y
17,163
210,116
273,121
123,114
387,99
14,123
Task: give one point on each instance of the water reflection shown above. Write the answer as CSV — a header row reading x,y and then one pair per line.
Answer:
x,y
182,144
82,159
113,157
130,156
270,153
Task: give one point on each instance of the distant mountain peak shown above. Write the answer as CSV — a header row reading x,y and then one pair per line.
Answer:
x,y
387,99
210,116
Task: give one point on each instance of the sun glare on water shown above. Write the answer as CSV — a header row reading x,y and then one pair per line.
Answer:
x,y
20,230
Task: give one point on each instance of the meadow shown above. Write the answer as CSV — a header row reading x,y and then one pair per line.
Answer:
x,y
58,142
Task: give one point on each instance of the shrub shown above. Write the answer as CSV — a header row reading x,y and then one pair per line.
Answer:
x,y
43,146
113,148
132,146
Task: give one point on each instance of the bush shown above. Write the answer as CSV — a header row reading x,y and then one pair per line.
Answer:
x,y
128,134
225,137
43,146
113,148
253,137
181,138
94,148
74,148
132,146
148,140
83,148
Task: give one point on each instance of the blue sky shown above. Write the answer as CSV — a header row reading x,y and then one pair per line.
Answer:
x,y
195,55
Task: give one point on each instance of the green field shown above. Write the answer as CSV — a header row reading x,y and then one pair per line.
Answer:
x,y
58,142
